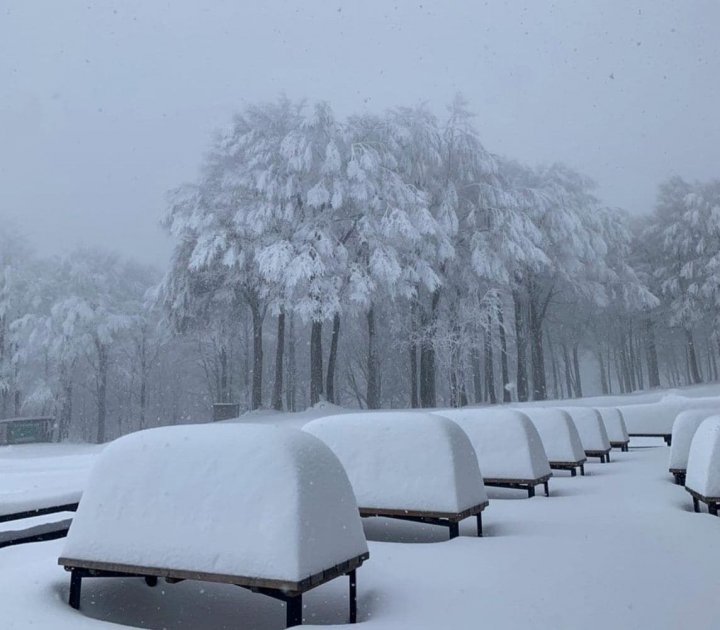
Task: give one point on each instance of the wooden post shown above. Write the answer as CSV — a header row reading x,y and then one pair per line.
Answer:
x,y
353,596
479,524
75,588
293,610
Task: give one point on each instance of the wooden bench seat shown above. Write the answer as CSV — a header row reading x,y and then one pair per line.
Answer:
x,y
36,533
521,484
711,502
602,455
289,592
679,474
623,446
53,509
451,520
665,436
573,467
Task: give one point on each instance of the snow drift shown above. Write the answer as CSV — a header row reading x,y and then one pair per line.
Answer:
x,y
683,431
614,424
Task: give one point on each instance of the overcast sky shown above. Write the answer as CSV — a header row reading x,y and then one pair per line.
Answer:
x,y
104,106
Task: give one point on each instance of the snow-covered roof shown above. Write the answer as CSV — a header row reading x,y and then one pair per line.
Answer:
x,y
558,434
507,443
614,424
591,428
703,470
404,460
239,500
683,431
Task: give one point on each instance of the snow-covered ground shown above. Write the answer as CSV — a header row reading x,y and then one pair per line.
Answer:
x,y
618,548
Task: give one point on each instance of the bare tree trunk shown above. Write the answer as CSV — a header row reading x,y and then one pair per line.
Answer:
x,y
603,376
537,316
224,389
428,395
257,377
413,351
373,390
521,349
576,369
504,371
101,390
316,359
332,359
651,354
279,355
489,363
477,375
557,382
291,367
568,373
695,377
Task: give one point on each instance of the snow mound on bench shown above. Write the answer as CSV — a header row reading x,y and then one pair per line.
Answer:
x,y
614,424
507,443
591,428
240,500
558,433
703,470
658,418
404,460
683,431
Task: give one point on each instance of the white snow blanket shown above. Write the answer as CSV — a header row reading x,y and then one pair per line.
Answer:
x,y
37,476
239,500
614,424
703,469
591,428
506,442
658,417
683,431
404,460
558,433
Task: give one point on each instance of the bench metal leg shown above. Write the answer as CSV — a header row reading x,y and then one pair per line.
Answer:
x,y
607,458
151,580
531,492
547,489
75,588
582,469
696,505
353,597
454,530
713,508
293,611
479,524
573,472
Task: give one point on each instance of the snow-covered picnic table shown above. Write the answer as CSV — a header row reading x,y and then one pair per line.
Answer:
x,y
407,465
508,446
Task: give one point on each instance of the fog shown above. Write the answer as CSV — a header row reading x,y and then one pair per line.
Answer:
x,y
104,107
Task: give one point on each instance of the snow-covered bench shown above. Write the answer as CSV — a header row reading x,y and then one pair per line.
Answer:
x,y
592,432
508,447
560,438
703,469
260,507
683,432
615,427
411,466
30,504
656,419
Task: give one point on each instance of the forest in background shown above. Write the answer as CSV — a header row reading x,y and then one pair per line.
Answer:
x,y
382,260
